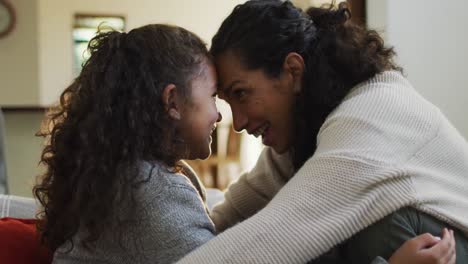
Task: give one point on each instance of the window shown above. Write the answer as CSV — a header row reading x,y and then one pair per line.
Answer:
x,y
85,28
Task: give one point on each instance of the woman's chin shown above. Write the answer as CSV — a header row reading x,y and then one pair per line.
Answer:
x,y
280,149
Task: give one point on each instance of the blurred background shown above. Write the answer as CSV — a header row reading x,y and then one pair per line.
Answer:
x,y
42,45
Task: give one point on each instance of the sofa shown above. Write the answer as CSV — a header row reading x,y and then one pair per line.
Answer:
x,y
17,207
19,239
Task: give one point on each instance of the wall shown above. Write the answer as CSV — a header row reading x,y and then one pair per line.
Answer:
x,y
22,150
38,58
430,38
56,19
376,16
304,4
19,86
35,56
19,58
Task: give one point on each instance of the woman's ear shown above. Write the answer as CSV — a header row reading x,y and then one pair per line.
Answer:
x,y
170,101
294,66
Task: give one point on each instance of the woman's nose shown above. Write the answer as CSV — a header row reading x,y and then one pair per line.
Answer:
x,y
239,120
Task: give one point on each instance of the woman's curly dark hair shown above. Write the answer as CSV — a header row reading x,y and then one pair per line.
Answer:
x,y
338,55
108,120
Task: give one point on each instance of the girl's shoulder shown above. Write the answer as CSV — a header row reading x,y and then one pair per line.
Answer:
x,y
161,177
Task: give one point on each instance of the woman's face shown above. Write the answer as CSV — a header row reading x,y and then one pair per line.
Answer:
x,y
200,115
260,104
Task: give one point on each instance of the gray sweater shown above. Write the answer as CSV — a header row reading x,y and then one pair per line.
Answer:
x,y
170,221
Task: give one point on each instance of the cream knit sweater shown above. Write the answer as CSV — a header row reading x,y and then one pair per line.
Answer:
x,y
384,147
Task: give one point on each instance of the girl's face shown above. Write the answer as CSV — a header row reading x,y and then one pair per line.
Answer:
x,y
260,104
200,115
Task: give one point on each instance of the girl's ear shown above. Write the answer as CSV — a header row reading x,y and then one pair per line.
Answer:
x,y
170,101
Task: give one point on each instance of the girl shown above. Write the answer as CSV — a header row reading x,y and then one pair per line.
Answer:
x,y
114,190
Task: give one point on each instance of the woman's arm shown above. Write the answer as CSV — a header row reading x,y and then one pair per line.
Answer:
x,y
253,190
324,204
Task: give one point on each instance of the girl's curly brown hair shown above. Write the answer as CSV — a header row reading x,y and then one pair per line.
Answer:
x,y
108,120
338,54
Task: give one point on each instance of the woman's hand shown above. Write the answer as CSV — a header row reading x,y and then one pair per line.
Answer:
x,y
427,249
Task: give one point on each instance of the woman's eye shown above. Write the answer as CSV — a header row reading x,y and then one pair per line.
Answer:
x,y
239,94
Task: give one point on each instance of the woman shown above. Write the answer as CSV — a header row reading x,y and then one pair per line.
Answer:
x,y
356,159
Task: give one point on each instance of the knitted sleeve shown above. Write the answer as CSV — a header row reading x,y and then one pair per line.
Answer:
x,y
253,190
325,203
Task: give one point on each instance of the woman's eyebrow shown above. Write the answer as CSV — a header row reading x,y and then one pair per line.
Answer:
x,y
228,89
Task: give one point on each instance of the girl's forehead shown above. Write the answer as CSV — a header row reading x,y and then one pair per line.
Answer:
x,y
206,76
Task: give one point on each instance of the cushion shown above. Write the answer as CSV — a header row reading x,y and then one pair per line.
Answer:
x,y
19,242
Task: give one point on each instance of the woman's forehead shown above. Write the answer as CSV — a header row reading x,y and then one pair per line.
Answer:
x,y
229,69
